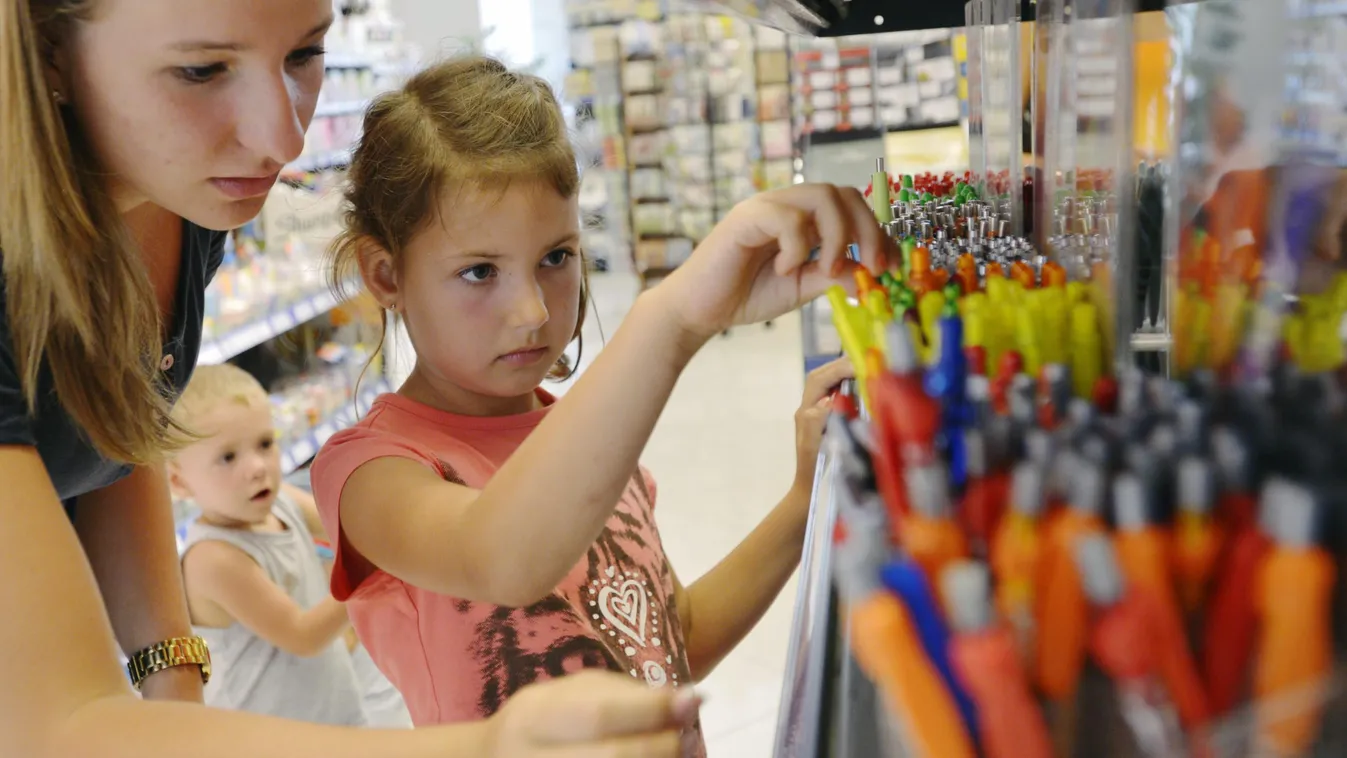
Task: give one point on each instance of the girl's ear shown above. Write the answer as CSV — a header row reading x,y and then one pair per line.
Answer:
x,y
380,274
176,484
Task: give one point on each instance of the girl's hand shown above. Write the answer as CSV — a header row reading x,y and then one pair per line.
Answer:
x,y
813,415
755,264
592,714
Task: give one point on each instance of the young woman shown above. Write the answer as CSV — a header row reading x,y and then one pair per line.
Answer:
x,y
130,130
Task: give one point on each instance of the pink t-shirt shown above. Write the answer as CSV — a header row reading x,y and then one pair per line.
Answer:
x,y
458,660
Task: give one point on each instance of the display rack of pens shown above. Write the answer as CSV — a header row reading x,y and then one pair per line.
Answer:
x,y
1039,553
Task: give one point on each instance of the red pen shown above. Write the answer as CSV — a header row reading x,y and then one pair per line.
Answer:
x,y
986,661
1196,540
983,502
1231,621
1120,641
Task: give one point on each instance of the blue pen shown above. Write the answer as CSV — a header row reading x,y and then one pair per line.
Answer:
x,y
905,578
947,381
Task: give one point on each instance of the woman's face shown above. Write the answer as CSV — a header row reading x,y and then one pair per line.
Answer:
x,y
195,105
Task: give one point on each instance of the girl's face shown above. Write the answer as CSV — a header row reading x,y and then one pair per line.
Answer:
x,y
490,291
195,105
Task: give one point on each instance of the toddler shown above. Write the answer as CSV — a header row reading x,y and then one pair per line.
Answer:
x,y
488,535
256,587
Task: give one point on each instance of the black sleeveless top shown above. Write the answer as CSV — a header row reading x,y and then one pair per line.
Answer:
x,y
73,464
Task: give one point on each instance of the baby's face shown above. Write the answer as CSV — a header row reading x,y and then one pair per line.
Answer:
x,y
234,473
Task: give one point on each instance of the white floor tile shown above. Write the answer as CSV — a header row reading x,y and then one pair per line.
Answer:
x,y
723,456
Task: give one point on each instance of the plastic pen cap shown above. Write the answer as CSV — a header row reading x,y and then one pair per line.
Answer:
x,y
928,489
1080,412
903,358
1021,398
1231,457
966,588
1088,485
1026,489
1192,421
1039,447
1129,503
975,453
1288,513
1163,441
1097,565
1195,486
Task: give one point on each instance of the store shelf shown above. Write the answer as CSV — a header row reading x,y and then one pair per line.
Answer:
x,y
221,348
300,451
341,108
346,60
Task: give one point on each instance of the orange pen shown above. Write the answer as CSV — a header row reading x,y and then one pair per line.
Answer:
x,y
1053,274
1197,541
866,283
987,663
1017,552
1061,619
886,646
1143,556
1293,598
929,533
966,271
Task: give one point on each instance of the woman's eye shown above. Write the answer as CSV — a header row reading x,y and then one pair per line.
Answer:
x,y
557,258
307,55
477,274
200,74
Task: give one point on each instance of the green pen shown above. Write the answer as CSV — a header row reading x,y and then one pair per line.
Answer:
x,y
879,194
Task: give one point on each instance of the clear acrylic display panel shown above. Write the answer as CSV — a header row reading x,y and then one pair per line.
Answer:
x,y
1002,108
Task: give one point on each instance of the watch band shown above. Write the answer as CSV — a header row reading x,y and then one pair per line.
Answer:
x,y
178,651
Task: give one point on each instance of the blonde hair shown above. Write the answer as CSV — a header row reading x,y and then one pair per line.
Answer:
x,y
214,386
78,294
468,123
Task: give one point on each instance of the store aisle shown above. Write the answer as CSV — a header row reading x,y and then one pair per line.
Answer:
x,y
722,456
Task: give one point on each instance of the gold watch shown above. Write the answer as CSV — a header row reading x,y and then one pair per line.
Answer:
x,y
178,651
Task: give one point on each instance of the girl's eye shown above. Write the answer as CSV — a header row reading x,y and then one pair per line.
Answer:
x,y
200,74
477,274
268,443
227,458
307,55
557,258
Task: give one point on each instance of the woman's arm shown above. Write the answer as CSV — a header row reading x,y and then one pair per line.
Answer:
x,y
127,532
62,693
512,542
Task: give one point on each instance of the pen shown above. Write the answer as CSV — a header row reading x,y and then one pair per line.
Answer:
x,y
985,660
1061,619
1120,641
1017,553
1197,541
912,585
1295,650
929,533
1141,552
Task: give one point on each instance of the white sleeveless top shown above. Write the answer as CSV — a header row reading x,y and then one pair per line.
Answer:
x,y
251,674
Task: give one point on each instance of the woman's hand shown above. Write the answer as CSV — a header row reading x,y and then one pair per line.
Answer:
x,y
813,415
755,265
592,715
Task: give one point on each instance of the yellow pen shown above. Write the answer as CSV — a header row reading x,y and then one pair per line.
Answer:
x,y
1055,323
1027,338
929,308
856,333
1087,359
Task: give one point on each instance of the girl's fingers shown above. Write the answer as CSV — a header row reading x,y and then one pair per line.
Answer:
x,y
812,280
835,229
822,380
793,230
875,245
665,745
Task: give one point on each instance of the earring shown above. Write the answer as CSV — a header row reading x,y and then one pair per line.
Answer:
x,y
58,97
